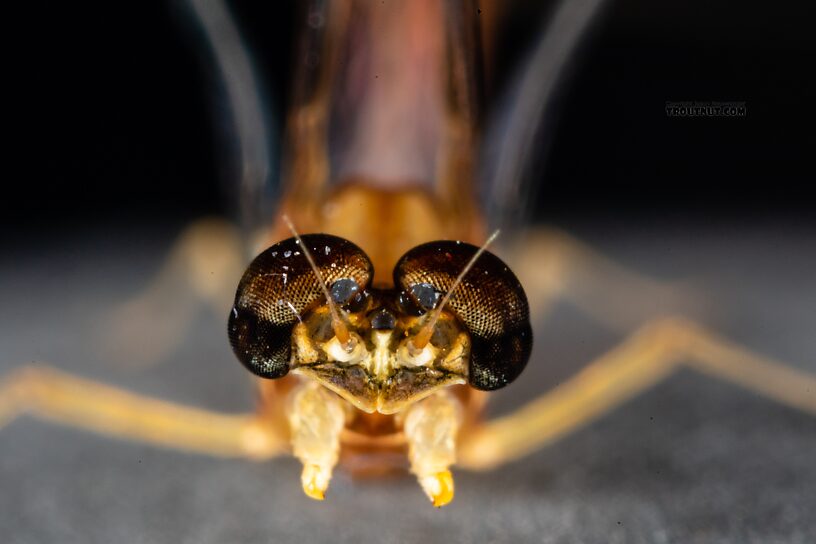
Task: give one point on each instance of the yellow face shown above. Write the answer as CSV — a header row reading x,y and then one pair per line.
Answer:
x,y
380,371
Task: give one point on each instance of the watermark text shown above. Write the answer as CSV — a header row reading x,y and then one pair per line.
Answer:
x,y
705,109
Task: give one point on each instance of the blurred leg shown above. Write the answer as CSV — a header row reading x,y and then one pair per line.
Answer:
x,y
646,358
55,396
316,418
553,265
203,268
431,426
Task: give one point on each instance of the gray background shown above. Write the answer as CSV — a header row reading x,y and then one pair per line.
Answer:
x,y
693,460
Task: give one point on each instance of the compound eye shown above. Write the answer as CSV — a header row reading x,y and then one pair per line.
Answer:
x,y
490,302
278,286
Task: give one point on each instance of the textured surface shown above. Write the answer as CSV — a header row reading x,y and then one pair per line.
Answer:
x,y
693,460
490,301
277,287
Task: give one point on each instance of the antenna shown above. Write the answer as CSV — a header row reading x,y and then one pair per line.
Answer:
x,y
422,338
339,326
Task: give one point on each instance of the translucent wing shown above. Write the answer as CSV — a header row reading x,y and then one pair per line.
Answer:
x,y
522,121
252,137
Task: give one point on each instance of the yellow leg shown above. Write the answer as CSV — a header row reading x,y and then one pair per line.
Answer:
x,y
52,395
553,265
316,418
431,426
203,268
646,358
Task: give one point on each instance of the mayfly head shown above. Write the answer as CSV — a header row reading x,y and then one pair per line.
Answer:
x,y
456,314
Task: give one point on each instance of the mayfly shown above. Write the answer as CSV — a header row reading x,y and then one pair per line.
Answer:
x,y
375,317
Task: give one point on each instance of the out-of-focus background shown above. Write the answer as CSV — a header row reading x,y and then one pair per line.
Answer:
x,y
120,134
118,115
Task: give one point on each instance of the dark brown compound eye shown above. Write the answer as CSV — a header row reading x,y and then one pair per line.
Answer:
x,y
278,286
490,302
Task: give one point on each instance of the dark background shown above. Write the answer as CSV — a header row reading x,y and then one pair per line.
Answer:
x,y
117,115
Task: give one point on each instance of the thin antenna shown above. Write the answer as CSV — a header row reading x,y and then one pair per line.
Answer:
x,y
340,329
424,335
